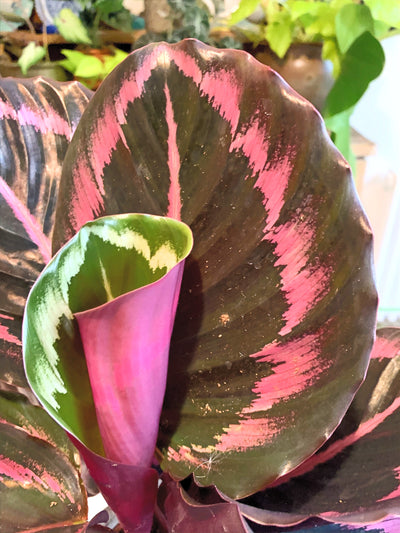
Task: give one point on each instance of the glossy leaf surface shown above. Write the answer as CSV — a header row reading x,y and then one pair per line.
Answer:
x,y
37,119
263,362
39,482
354,478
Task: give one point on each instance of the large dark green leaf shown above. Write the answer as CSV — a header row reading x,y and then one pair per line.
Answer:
x,y
277,308
354,478
37,119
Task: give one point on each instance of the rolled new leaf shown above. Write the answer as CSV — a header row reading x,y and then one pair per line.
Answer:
x,y
120,276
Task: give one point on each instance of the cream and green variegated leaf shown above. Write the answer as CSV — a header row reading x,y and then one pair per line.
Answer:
x,y
96,336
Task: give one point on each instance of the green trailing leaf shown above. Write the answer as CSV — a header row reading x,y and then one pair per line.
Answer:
x,y
387,11
31,54
89,67
278,32
351,22
361,64
321,22
71,28
244,10
111,61
339,126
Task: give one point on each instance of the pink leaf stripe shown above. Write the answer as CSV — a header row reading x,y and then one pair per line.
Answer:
x,y
340,445
175,204
48,122
272,181
108,133
29,223
5,332
383,348
40,480
297,366
303,284
292,375
396,492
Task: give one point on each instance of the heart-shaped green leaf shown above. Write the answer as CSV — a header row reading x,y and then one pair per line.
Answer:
x,y
263,360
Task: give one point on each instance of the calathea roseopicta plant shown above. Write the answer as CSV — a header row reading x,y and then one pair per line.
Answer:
x,y
262,424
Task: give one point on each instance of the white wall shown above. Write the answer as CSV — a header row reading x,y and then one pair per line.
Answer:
x,y
377,117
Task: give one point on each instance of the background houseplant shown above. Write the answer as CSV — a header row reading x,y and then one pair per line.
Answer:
x,y
173,20
349,32
267,199
83,26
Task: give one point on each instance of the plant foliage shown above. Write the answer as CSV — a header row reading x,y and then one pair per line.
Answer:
x,y
276,314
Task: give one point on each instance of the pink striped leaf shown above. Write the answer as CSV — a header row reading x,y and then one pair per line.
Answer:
x,y
96,332
37,119
40,487
282,260
263,359
40,484
355,477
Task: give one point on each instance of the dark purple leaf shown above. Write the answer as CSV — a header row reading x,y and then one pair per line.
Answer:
x,y
178,513
263,359
355,477
130,490
37,119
